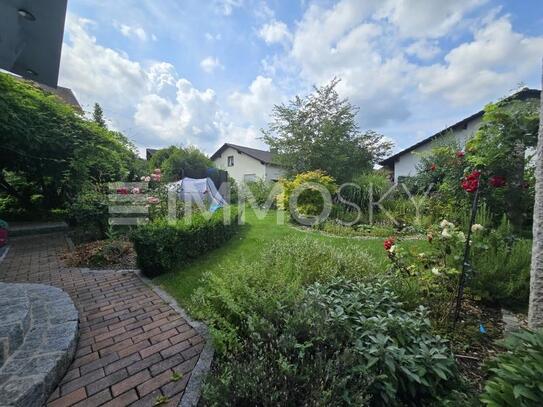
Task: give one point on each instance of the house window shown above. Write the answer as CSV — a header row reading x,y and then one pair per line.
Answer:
x,y
230,160
249,177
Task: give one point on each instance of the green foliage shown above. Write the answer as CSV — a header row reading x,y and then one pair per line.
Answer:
x,y
341,343
230,296
98,116
320,132
177,162
260,191
517,374
502,272
310,200
162,246
89,210
50,150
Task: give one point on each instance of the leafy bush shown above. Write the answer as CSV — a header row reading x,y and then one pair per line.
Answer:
x,y
260,190
502,271
342,343
230,296
163,245
517,374
310,201
89,211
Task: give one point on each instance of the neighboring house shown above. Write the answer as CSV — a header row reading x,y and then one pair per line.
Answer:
x,y
405,162
246,164
64,94
149,152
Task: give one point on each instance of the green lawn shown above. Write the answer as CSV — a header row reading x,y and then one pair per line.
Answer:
x,y
247,246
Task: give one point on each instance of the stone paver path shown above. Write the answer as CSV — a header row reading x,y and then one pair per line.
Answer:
x,y
131,341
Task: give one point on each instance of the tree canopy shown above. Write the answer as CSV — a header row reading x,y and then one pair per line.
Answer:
x,y
176,162
320,131
98,116
49,152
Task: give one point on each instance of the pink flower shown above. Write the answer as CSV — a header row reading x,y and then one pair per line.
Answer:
x,y
136,191
460,154
153,200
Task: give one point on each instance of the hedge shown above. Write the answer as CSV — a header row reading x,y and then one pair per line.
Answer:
x,y
163,246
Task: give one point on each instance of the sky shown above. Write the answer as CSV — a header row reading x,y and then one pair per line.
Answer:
x,y
197,72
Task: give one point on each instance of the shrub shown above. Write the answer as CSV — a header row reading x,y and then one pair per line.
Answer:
x,y
342,343
517,374
310,201
260,190
116,253
89,210
230,296
163,245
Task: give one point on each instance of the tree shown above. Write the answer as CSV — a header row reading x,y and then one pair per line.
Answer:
x,y
176,162
48,152
98,116
535,311
320,132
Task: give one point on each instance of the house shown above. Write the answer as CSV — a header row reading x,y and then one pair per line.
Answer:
x,y
404,163
246,164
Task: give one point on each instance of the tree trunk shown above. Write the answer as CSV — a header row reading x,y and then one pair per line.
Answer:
x,y
535,312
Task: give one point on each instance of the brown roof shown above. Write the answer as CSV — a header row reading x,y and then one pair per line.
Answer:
x,y
265,157
65,94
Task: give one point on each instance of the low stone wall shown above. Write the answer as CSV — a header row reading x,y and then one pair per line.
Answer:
x,y
38,338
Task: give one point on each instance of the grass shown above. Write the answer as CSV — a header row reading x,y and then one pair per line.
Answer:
x,y
247,246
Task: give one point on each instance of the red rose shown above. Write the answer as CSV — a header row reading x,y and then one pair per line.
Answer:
x,y
497,181
470,183
122,191
389,243
460,154
433,167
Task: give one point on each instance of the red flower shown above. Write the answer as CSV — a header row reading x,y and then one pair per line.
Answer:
x,y
389,243
433,167
122,191
460,154
497,181
470,183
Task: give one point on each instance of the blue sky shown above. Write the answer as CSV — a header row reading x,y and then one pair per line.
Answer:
x,y
207,72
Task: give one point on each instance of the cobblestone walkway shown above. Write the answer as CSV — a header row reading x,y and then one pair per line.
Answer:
x,y
131,341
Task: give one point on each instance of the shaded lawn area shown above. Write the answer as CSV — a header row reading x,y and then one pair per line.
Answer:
x,y
247,245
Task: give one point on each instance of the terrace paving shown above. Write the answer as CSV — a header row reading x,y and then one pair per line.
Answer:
x,y
131,341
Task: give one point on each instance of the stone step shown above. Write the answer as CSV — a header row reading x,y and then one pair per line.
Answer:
x,y
35,228
32,367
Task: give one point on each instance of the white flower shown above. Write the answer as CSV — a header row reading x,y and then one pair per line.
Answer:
x,y
392,249
445,233
461,236
444,223
477,228
422,254
435,271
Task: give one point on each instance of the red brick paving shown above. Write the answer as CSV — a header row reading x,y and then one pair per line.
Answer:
x,y
131,341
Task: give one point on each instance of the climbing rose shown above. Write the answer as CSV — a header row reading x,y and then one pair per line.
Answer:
x,y
389,243
460,154
122,191
497,181
153,200
471,181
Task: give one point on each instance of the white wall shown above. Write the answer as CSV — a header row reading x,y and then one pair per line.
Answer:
x,y
273,172
243,165
406,164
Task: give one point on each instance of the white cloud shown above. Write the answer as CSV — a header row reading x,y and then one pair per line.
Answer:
x,y
132,31
98,73
497,58
256,105
211,37
209,64
226,7
423,49
275,32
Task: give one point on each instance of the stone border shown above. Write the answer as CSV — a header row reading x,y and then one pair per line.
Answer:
x,y
4,254
193,391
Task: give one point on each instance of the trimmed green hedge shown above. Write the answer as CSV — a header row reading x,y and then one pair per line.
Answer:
x,y
164,246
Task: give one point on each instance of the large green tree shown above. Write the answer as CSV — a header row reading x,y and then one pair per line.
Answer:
x,y
176,162
320,131
50,151
98,116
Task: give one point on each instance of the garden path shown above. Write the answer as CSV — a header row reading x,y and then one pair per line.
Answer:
x,y
131,341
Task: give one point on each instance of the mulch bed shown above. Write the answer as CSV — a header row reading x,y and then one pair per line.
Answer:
x,y
102,254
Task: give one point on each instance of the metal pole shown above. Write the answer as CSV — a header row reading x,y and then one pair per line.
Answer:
x,y
465,263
